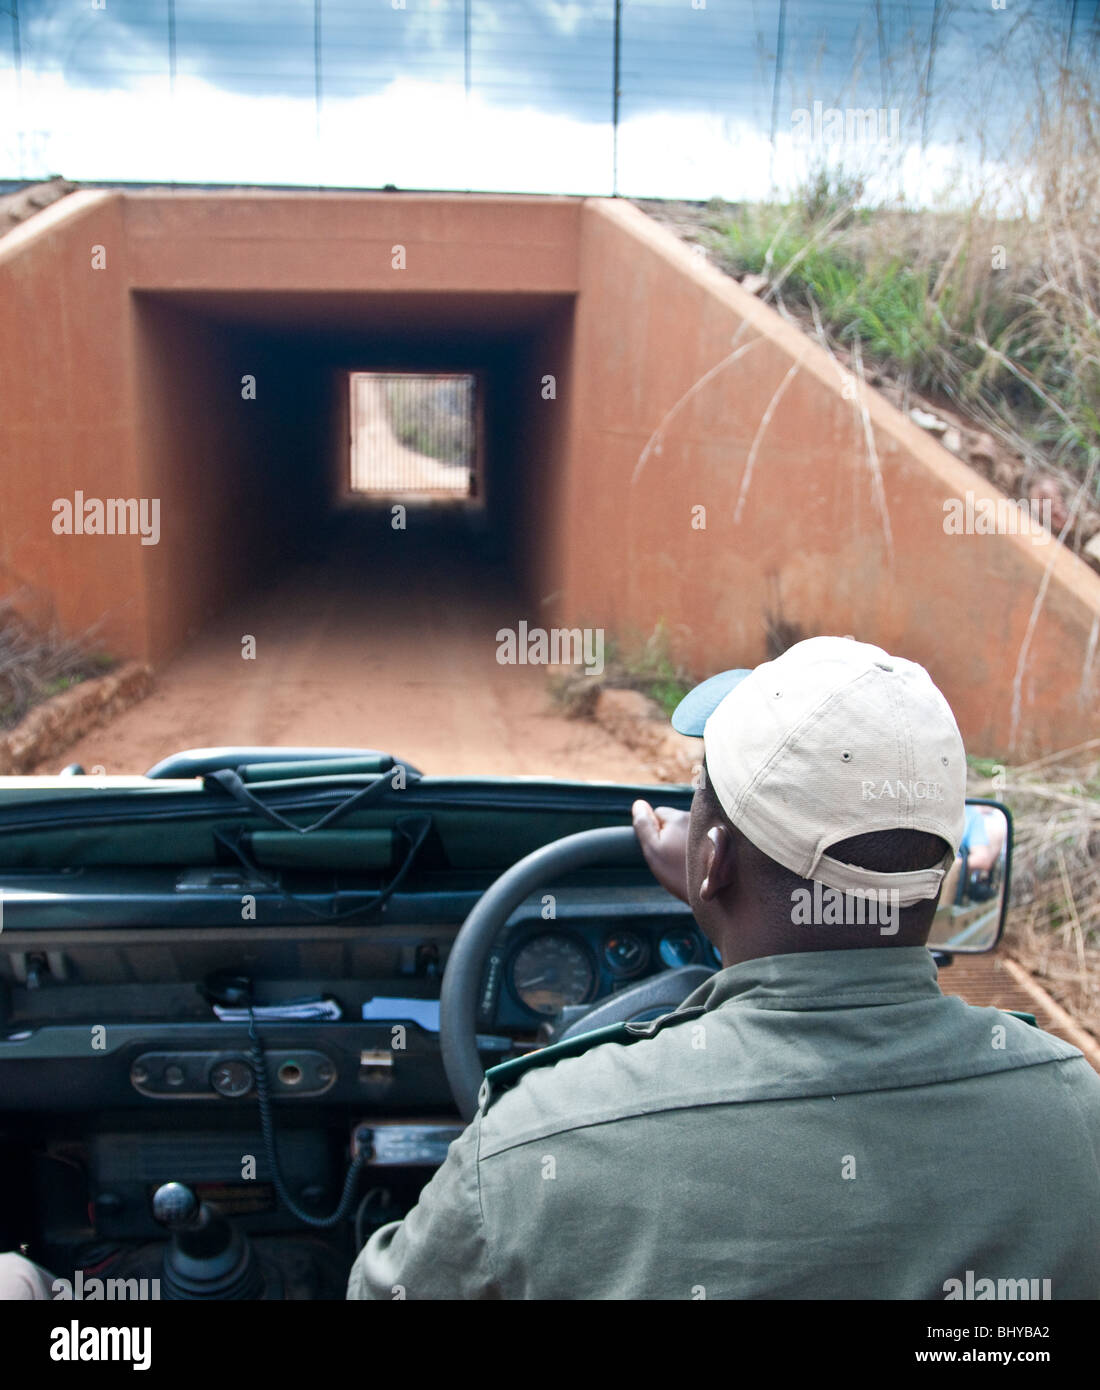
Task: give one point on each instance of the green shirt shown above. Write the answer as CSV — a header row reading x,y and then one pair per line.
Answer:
x,y
819,1125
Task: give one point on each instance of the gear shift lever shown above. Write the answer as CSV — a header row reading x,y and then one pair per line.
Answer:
x,y
207,1257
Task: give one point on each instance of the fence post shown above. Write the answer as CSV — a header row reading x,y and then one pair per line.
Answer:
x,y
615,102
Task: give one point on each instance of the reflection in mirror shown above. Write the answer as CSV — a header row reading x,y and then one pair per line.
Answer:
x,y
970,905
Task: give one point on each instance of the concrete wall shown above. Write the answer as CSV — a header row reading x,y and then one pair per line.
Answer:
x,y
240,478
542,440
67,420
811,545
344,243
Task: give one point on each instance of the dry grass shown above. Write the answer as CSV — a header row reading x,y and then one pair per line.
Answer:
x,y
632,661
35,665
993,310
1054,919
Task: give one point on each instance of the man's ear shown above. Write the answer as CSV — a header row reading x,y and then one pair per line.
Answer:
x,y
718,863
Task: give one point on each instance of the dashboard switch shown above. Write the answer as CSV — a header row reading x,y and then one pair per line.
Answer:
x,y
375,1064
193,1075
232,1079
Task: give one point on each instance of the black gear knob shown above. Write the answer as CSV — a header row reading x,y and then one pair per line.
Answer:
x,y
207,1257
175,1206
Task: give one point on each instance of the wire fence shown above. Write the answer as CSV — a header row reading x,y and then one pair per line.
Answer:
x,y
603,96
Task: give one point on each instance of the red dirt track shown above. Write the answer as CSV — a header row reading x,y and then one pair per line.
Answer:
x,y
394,650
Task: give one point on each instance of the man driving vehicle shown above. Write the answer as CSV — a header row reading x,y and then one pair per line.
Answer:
x,y
817,1120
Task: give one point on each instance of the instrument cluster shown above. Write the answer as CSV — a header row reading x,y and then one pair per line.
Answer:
x,y
542,970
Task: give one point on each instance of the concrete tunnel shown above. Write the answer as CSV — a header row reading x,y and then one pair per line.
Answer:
x,y
654,482
271,476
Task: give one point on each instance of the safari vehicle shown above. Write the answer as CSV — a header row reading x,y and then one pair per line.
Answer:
x,y
247,1000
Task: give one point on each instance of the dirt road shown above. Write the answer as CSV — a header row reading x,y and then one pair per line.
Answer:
x,y
381,462
384,646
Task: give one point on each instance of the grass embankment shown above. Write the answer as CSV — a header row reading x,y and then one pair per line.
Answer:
x,y
36,665
631,662
1054,919
995,315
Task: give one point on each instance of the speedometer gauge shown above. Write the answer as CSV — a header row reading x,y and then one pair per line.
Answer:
x,y
551,971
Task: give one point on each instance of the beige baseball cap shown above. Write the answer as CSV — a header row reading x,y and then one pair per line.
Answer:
x,y
832,739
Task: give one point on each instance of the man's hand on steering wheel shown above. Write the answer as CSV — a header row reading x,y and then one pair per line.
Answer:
x,y
608,846
663,835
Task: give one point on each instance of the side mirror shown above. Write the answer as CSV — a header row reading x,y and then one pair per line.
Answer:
x,y
973,902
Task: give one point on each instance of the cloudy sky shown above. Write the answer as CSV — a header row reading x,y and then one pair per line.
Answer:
x,y
516,95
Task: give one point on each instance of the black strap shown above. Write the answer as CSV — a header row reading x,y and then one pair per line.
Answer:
x,y
413,828
231,782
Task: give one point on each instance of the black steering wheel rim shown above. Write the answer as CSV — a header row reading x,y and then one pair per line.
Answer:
x,y
612,845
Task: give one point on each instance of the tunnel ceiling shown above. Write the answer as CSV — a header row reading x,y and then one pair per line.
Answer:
x,y
417,314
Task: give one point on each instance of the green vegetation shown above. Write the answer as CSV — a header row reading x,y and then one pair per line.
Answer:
x,y
36,665
434,416
998,315
647,664
886,306
632,662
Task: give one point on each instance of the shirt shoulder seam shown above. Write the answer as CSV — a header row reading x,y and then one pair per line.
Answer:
x,y
596,1121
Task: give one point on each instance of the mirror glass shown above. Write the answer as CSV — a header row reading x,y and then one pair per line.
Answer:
x,y
972,900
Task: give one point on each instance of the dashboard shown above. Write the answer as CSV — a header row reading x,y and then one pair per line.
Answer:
x,y
118,1074
121,1017
543,972
539,967
128,1062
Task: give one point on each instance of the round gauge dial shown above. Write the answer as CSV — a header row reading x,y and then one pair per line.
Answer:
x,y
678,948
625,952
231,1078
552,971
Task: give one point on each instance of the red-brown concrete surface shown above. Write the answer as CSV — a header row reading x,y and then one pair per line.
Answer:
x,y
591,326
67,417
811,546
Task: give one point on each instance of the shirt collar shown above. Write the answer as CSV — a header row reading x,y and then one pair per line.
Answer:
x,y
822,980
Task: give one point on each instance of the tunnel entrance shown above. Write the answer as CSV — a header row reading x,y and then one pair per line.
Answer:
x,y
414,435
279,427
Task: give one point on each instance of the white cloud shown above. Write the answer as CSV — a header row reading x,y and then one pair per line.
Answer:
x,y
567,16
422,135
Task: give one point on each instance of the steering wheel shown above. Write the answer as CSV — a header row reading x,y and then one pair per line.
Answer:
x,y
465,966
